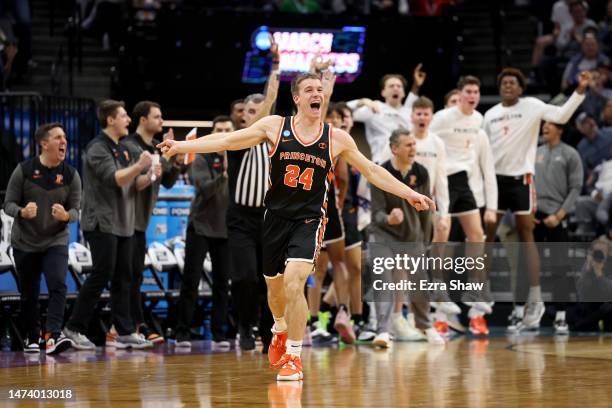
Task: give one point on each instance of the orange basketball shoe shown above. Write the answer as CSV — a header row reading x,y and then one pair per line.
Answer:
x,y
290,368
478,326
278,347
441,327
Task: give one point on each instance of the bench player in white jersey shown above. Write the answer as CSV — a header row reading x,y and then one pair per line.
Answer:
x,y
484,187
300,173
382,118
513,127
459,127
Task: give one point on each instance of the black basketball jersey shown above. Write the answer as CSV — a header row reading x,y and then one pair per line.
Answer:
x,y
300,174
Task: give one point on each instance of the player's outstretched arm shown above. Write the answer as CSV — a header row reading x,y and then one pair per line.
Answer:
x,y
258,132
344,146
562,114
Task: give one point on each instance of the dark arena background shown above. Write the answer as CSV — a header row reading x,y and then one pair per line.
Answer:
x,y
132,271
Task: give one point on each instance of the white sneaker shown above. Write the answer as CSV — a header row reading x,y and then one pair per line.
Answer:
x,y
403,331
30,346
441,301
366,335
433,337
382,340
449,308
515,322
79,341
533,314
221,344
321,336
483,307
126,341
561,327
476,301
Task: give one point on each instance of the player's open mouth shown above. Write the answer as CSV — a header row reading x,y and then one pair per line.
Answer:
x,y
315,106
62,150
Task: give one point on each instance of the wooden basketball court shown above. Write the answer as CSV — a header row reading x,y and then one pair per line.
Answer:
x,y
501,371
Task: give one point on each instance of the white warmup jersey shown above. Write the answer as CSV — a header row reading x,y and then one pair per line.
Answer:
x,y
378,126
513,131
483,181
459,133
431,153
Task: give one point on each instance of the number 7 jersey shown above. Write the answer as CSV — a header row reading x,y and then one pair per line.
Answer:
x,y
300,173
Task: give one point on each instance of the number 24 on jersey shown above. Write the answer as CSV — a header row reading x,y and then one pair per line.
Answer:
x,y
293,176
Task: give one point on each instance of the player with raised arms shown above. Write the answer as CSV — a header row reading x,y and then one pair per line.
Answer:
x,y
301,167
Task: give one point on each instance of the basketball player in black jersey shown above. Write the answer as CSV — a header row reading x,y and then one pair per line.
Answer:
x,y
301,157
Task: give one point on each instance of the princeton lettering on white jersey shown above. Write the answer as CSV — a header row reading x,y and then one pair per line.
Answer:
x,y
459,133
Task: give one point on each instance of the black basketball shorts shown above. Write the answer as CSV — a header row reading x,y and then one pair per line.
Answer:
x,y
516,194
461,198
290,240
352,237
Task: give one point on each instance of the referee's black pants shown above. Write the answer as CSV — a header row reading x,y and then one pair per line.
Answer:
x,y
249,291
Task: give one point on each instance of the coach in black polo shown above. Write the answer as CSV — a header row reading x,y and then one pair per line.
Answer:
x,y
111,178
43,195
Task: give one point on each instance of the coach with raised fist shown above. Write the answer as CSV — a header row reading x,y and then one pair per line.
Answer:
x,y
43,195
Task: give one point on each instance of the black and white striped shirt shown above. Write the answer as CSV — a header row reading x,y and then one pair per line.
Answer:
x,y
248,175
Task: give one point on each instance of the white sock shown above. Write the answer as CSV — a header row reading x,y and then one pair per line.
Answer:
x,y
535,294
294,347
280,325
560,315
472,313
441,317
519,310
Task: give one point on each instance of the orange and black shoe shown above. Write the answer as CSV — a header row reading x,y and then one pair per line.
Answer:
x,y
278,347
55,343
290,368
478,326
149,334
